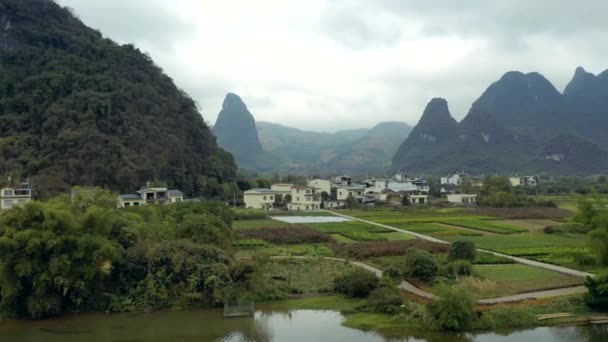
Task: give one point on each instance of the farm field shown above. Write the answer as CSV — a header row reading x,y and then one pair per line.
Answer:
x,y
401,219
518,237
516,278
304,276
258,224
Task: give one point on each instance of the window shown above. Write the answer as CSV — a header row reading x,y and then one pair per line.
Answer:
x,y
272,198
8,192
264,198
135,204
8,203
127,204
21,201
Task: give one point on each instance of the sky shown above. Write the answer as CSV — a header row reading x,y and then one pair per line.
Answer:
x,y
327,65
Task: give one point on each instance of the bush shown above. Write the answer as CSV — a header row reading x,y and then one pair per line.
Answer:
x,y
365,250
461,268
462,250
575,228
357,284
453,310
597,297
551,230
292,235
393,272
386,300
420,264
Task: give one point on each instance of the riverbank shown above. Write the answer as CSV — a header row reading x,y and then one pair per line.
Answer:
x,y
520,315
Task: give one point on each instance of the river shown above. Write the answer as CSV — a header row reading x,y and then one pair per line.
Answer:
x,y
210,325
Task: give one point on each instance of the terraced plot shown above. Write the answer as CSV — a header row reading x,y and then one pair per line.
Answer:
x,y
258,224
517,278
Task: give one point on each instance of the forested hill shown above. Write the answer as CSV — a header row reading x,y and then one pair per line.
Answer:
x,y
76,108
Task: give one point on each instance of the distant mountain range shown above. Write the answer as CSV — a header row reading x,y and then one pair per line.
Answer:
x,y
521,123
270,147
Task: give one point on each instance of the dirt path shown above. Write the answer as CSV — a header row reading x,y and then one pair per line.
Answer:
x,y
537,264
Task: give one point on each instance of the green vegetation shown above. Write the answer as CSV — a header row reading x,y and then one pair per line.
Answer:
x,y
518,278
462,250
420,264
296,276
487,226
79,109
453,310
356,284
86,255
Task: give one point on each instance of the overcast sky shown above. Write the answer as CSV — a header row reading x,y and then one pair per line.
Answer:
x,y
333,64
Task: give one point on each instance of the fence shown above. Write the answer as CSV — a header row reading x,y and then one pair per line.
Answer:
x,y
239,309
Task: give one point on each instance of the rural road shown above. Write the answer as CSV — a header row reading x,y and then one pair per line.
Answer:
x,y
537,264
409,287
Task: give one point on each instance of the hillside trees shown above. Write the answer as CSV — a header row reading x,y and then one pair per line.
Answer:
x,y
79,109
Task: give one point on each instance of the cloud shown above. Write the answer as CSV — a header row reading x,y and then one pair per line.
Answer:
x,y
337,64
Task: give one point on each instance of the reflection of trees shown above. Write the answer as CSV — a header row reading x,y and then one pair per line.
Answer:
x,y
592,333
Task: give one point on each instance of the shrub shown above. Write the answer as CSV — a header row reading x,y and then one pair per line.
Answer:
x,y
387,300
357,284
369,249
551,230
597,297
421,264
453,310
575,228
461,268
462,250
393,272
293,235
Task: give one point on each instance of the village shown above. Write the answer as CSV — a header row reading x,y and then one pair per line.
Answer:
x,y
335,193
342,191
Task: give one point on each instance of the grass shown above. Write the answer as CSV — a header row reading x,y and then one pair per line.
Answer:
x,y
487,226
258,224
358,231
438,230
334,302
287,250
395,236
341,238
304,276
517,278
426,221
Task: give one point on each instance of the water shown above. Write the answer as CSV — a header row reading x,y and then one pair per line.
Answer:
x,y
210,325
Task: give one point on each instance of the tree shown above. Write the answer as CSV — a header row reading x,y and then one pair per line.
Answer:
x,y
496,184
51,260
351,202
597,295
262,182
453,309
356,284
462,250
420,264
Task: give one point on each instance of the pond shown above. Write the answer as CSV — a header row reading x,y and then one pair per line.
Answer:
x,y
210,325
310,219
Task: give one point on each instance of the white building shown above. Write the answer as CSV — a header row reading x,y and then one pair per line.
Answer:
x,y
150,195
11,197
259,198
322,185
356,191
524,181
462,199
304,198
281,188
418,199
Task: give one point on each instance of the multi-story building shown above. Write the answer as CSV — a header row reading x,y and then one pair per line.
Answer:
x,y
304,198
150,195
11,197
261,198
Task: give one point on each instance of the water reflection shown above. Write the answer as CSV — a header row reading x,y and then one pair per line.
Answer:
x,y
266,326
